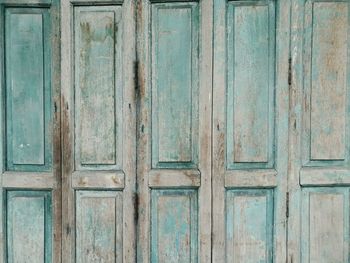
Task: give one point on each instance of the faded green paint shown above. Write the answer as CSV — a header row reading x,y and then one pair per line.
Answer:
x,y
29,226
99,222
98,86
250,84
174,84
325,225
249,226
174,217
328,80
28,89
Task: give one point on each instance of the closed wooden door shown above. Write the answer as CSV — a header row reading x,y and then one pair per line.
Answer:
x,y
30,196
174,131
98,131
250,131
319,134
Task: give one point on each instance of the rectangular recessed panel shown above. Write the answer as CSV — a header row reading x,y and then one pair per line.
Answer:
x,y
250,90
99,222
329,80
98,87
27,88
174,87
28,222
249,226
325,225
174,223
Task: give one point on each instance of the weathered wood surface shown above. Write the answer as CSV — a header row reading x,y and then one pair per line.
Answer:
x,y
30,163
98,102
174,131
319,143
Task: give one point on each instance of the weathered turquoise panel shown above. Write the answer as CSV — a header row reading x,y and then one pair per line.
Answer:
x,y
329,84
99,226
174,84
28,88
29,226
249,225
325,225
98,86
174,223
250,84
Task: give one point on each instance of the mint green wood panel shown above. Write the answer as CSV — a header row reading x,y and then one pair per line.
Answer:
x,y
174,84
99,226
250,83
28,226
326,79
174,216
98,87
325,225
28,95
249,226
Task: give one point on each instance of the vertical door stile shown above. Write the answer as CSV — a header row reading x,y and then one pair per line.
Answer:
x,y
174,134
99,125
250,130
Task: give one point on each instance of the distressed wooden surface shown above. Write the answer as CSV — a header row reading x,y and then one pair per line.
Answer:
x,y
174,134
99,221
319,144
98,55
29,226
250,129
30,166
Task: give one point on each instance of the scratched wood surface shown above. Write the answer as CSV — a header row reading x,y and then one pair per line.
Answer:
x,y
319,135
98,117
250,131
30,130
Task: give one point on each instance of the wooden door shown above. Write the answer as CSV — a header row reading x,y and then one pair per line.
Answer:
x,y
319,135
30,194
98,129
250,130
174,131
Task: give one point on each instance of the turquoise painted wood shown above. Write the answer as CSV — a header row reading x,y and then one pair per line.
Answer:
x,y
28,226
28,89
249,226
174,217
99,231
319,222
98,95
175,85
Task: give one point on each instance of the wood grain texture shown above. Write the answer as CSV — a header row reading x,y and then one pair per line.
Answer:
x,y
174,85
174,218
249,226
28,92
98,93
182,31
99,220
325,227
104,38
29,226
250,80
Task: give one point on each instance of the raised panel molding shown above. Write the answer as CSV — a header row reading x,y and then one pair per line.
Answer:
x,y
326,100
325,225
28,226
249,225
28,89
175,85
174,226
99,226
250,84
98,87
